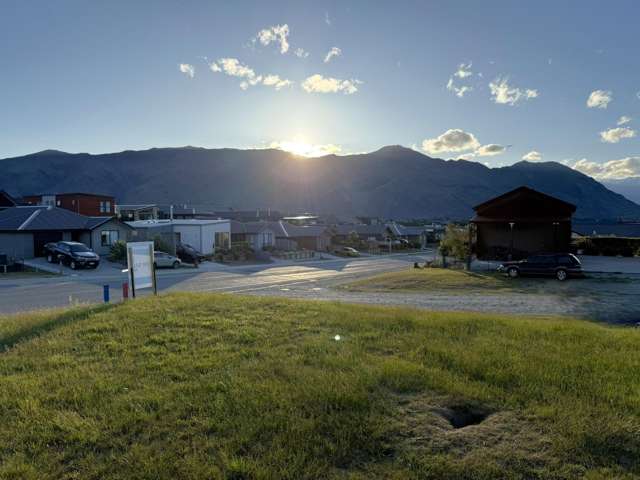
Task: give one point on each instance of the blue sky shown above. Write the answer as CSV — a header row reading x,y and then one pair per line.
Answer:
x,y
105,76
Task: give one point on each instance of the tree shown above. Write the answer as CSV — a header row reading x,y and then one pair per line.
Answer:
x,y
455,242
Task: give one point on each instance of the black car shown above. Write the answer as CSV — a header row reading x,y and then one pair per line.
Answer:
x,y
558,265
189,254
74,254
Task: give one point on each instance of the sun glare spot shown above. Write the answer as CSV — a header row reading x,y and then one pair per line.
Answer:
x,y
302,148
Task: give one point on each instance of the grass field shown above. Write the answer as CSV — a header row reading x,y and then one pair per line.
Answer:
x,y
209,386
455,281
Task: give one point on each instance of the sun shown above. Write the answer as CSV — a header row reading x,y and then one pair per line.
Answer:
x,y
302,148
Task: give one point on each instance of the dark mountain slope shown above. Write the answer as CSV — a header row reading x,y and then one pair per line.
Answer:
x,y
393,182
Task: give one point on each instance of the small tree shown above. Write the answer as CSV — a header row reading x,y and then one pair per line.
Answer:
x,y
118,252
455,243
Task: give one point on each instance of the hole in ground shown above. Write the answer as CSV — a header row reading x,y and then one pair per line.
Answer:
x,y
460,416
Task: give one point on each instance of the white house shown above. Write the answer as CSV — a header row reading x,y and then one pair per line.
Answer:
x,y
202,234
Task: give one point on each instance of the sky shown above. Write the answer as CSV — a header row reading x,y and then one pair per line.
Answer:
x,y
491,81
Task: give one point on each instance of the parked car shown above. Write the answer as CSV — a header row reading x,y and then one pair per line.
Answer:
x,y
189,254
347,252
558,265
75,254
164,260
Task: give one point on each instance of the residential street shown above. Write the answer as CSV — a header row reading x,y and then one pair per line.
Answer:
x,y
86,286
609,294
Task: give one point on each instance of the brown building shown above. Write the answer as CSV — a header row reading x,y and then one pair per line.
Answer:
x,y
89,204
521,222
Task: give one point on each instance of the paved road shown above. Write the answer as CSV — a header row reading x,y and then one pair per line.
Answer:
x,y
43,292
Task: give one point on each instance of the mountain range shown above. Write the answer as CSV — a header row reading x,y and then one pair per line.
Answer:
x,y
393,182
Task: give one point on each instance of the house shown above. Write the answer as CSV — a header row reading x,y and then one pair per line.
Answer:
x,y
88,204
6,200
521,222
371,233
132,213
202,234
24,230
257,234
258,215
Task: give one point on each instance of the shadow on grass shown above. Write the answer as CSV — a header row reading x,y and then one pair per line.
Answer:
x,y
9,340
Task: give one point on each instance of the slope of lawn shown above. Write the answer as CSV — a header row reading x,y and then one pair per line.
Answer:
x,y
213,386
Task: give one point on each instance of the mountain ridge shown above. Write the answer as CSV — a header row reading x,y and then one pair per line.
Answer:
x,y
392,182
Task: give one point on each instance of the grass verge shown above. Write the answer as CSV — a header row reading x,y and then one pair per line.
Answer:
x,y
214,386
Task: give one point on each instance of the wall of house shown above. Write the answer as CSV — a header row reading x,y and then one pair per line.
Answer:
x,y
93,239
16,245
87,204
258,241
202,236
493,240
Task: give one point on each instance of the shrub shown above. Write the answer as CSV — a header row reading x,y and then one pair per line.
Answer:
x,y
455,242
118,252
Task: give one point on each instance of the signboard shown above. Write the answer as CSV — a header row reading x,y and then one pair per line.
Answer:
x,y
140,263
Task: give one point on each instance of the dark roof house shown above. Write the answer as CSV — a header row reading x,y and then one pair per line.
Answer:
x,y
521,222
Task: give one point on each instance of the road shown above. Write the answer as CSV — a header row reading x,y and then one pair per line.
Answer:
x,y
311,277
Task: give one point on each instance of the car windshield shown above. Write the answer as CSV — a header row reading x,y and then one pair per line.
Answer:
x,y
79,248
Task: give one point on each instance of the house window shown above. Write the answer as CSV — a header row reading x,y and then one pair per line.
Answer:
x,y
267,238
108,237
222,239
107,207
101,206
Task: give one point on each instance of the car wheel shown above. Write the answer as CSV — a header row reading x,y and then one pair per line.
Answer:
x,y
513,272
73,265
561,275
176,264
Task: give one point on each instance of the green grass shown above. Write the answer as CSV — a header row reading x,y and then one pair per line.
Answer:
x,y
213,386
456,282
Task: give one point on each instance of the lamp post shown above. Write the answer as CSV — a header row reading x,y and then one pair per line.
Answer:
x,y
511,225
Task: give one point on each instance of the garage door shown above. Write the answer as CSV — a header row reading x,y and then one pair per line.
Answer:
x,y
40,239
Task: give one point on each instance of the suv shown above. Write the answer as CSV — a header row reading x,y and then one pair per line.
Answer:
x,y
189,254
559,265
74,254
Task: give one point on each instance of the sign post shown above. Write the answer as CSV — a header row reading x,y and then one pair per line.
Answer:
x,y
140,265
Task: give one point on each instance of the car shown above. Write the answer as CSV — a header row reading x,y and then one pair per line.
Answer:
x,y
75,254
163,259
348,252
558,265
189,254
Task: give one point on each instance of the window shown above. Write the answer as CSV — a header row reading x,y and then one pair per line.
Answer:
x,y
108,237
102,206
222,239
107,207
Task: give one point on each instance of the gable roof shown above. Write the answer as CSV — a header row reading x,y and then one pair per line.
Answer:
x,y
7,200
251,228
524,203
38,218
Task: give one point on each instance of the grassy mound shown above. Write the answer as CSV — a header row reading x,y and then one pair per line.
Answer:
x,y
210,386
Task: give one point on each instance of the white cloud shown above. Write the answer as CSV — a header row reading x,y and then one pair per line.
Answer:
x,y
464,70
466,156
453,140
301,52
276,33
276,81
614,135
490,150
504,94
319,84
187,69
532,156
624,119
459,91
611,170
599,99
334,52
233,67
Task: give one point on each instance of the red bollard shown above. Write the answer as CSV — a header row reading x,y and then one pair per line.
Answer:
x,y
125,290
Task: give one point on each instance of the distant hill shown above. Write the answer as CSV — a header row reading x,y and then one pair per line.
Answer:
x,y
629,187
393,182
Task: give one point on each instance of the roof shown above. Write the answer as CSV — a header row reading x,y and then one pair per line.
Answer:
x,y
251,228
38,218
71,194
302,230
524,204
361,229
134,206
179,221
